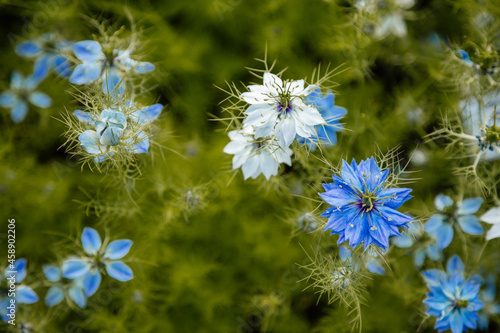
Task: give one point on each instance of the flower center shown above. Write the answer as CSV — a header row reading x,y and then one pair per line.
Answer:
x,y
285,103
367,201
110,57
461,303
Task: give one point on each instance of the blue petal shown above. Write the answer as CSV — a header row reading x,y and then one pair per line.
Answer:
x,y
419,258
112,82
395,197
470,206
143,145
41,68
349,175
470,224
19,270
470,290
88,51
26,295
338,197
86,73
374,266
19,111
444,236
90,141
435,222
91,241
52,272
442,201
144,67
392,216
147,114
456,322
54,296
76,294
28,49
17,81
91,282
117,249
111,136
75,268
433,252
345,253
7,99
403,241
61,65
119,271
455,266
40,99
84,117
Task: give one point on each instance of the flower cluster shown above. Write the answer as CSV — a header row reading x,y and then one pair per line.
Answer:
x,y
279,113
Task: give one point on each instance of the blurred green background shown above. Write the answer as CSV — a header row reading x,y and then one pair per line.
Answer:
x,y
213,253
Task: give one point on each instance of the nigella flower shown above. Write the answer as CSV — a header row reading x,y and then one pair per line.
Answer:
x,y
279,109
23,294
440,225
371,261
48,51
307,222
62,288
22,90
256,156
107,65
490,308
363,207
325,133
453,299
99,257
492,216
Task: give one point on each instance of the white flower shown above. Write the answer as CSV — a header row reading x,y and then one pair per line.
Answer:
x,y
393,24
493,217
256,156
278,109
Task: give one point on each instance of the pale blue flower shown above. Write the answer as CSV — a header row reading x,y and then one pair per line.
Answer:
x,y
453,299
60,289
48,51
440,225
23,293
22,90
107,65
100,257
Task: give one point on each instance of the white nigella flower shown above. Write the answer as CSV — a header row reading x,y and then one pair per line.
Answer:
x,y
492,216
256,156
278,109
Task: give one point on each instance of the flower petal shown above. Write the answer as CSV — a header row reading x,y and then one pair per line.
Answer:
x,y
77,295
25,295
40,99
455,266
91,282
470,224
444,236
470,206
19,270
75,268
143,67
119,271
90,141
28,49
54,296
52,272
491,216
86,73
494,232
117,249
88,51
91,241
442,201
19,111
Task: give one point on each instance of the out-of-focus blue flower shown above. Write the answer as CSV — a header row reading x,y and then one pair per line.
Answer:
x,y
363,208
490,307
307,222
23,294
100,257
430,251
325,133
61,289
371,262
440,225
48,51
452,299
107,65
22,91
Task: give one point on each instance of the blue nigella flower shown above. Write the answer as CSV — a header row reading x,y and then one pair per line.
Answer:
x,y
325,133
24,294
48,51
363,208
414,233
453,299
99,257
72,289
440,225
108,65
22,91
490,307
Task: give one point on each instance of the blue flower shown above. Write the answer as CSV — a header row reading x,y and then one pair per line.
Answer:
x,y
107,65
47,50
22,91
61,289
99,257
490,307
363,208
325,133
452,299
23,293
440,225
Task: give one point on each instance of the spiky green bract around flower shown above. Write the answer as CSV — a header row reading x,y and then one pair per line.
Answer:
x,y
363,208
99,257
453,299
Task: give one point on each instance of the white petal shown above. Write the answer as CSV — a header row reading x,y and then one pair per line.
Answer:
x,y
250,167
256,97
272,82
295,87
234,147
268,165
491,216
494,232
